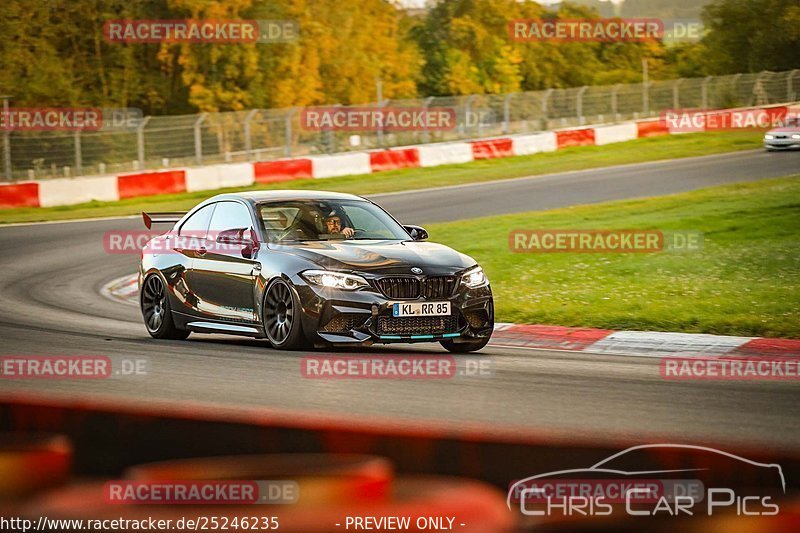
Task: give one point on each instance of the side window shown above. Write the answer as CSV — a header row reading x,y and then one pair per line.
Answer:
x,y
230,215
197,224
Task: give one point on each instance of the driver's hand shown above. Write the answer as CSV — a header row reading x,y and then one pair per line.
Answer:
x,y
348,232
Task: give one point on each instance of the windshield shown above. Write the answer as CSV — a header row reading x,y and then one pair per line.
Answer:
x,y
791,122
322,220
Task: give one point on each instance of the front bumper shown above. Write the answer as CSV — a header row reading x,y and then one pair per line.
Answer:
x,y
361,318
781,144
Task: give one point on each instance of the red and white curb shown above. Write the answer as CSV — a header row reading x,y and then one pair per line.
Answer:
x,y
589,340
70,191
639,343
122,290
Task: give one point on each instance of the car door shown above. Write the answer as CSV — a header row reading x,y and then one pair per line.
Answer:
x,y
223,277
186,243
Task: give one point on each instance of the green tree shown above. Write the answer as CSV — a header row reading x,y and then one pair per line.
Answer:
x,y
752,35
468,49
53,53
345,46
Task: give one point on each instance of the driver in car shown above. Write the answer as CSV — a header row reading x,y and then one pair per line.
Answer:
x,y
334,224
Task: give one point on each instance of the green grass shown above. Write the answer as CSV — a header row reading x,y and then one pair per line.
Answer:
x,y
745,280
577,158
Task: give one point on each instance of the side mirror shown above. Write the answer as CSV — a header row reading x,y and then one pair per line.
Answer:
x,y
417,233
239,237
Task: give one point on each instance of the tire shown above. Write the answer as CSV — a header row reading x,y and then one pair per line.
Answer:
x,y
464,347
156,310
281,317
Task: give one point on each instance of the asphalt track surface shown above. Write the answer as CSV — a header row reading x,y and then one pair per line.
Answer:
x,y
51,305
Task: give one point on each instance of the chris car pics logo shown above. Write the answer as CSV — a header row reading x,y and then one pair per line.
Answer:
x,y
611,486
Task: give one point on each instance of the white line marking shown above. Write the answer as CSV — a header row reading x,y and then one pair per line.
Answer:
x,y
67,221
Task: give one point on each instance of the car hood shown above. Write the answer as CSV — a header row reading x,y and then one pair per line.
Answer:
x,y
786,129
380,256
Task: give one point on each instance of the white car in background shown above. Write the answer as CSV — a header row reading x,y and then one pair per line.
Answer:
x,y
785,137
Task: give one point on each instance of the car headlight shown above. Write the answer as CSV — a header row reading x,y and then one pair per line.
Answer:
x,y
474,277
334,280
795,135
768,136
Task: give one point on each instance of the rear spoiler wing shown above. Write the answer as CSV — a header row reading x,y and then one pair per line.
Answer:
x,y
162,218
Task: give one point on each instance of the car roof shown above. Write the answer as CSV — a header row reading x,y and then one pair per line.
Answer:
x,y
264,196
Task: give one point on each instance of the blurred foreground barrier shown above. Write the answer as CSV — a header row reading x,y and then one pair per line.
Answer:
x,y
322,478
422,501
391,469
32,463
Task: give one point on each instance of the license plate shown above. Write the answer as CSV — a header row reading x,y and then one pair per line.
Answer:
x,y
421,309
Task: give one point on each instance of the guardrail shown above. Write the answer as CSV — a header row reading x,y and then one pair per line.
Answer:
x,y
71,191
162,142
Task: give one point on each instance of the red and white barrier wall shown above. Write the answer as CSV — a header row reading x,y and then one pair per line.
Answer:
x,y
533,144
332,166
69,191
219,177
431,155
282,170
615,133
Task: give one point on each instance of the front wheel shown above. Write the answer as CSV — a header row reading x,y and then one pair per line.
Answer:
x,y
282,317
156,311
464,347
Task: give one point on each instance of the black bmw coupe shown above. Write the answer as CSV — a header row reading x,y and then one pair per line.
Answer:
x,y
309,268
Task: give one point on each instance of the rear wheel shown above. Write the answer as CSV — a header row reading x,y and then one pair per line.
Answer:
x,y
464,347
156,311
282,317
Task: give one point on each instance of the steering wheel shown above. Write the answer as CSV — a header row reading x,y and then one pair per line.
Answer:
x,y
293,232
